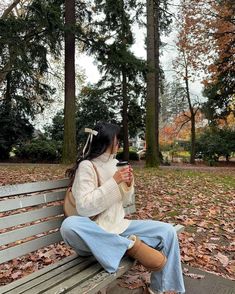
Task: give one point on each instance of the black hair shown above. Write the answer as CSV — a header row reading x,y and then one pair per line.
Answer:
x,y
100,143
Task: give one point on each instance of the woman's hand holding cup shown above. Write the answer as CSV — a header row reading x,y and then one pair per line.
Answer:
x,y
124,173
131,176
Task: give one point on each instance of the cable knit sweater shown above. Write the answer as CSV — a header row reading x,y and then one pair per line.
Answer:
x,y
106,200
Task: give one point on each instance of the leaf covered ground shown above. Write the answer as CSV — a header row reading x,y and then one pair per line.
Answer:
x,y
203,201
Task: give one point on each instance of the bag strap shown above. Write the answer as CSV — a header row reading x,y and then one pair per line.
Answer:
x,y
96,172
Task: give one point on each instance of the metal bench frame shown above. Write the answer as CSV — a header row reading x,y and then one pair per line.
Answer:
x,y
72,274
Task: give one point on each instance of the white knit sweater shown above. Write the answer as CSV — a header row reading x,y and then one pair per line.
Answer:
x,y
106,200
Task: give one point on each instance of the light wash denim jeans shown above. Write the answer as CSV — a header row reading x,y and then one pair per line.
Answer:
x,y
87,238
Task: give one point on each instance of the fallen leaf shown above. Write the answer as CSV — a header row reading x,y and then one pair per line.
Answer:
x,y
223,259
16,274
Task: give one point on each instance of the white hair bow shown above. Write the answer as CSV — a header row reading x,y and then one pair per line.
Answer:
x,y
89,140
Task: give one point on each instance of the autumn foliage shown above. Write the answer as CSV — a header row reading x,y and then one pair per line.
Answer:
x,y
179,128
206,39
208,35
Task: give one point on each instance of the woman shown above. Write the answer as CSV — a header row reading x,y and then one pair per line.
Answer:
x,y
101,229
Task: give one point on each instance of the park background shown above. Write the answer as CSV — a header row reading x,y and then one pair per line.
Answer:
x,y
165,74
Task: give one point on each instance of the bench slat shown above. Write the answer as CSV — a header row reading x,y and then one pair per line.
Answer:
x,y
20,234
32,279
76,279
19,250
102,279
33,215
63,274
11,190
30,216
25,217
22,202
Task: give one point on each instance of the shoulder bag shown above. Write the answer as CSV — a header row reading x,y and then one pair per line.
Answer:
x,y
69,205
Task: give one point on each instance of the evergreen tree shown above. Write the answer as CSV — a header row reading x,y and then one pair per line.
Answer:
x,y
69,142
15,130
158,22
122,71
24,44
93,106
25,41
220,95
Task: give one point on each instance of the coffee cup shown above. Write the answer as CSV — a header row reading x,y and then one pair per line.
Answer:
x,y
122,164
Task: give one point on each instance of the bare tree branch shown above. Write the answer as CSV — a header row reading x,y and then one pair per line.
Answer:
x,y
187,116
184,123
9,9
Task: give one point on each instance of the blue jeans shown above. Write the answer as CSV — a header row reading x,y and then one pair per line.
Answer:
x,y
87,238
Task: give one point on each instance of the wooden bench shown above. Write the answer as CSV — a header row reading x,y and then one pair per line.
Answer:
x,y
36,208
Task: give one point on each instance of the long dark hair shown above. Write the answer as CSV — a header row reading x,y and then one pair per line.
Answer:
x,y
100,143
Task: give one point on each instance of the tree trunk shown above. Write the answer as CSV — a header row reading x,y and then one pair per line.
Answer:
x,y
157,75
192,119
125,116
7,100
7,67
193,138
69,143
151,142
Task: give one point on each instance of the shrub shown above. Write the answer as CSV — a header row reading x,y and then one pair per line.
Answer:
x,y
165,147
40,150
214,143
132,155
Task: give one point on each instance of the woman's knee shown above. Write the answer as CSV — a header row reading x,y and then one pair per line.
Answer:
x,y
70,224
71,233
168,230
171,233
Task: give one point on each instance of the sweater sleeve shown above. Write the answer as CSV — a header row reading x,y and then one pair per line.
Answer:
x,y
91,200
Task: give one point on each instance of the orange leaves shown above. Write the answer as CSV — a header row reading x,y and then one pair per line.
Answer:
x,y
175,130
137,277
207,35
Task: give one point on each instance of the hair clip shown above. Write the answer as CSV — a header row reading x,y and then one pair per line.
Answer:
x,y
93,132
89,140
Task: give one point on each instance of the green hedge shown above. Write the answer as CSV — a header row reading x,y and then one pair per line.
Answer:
x,y
132,155
215,142
40,150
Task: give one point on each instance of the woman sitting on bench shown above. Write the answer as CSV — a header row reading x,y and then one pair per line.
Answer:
x,y
100,227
